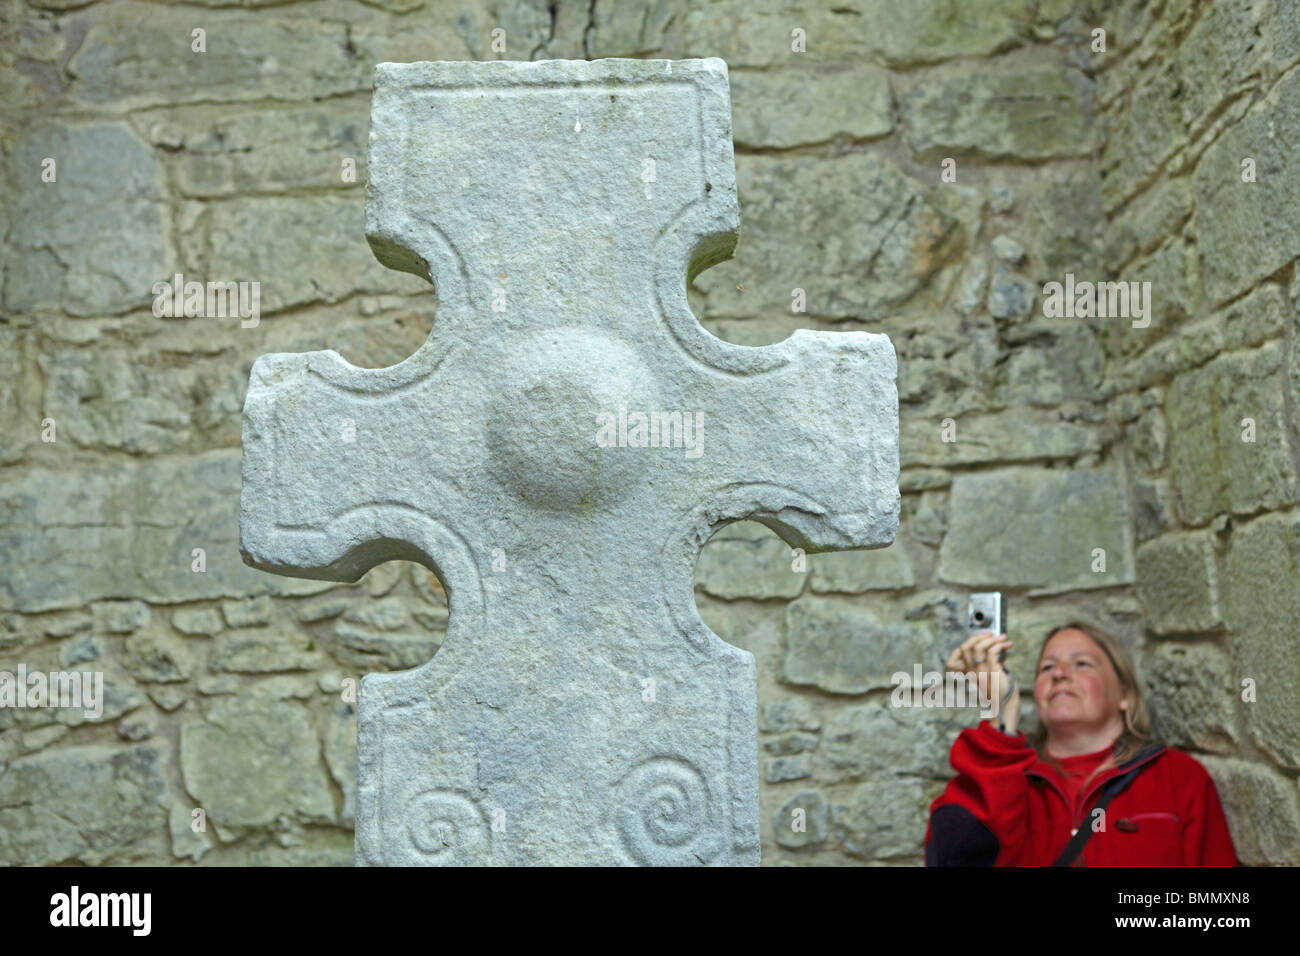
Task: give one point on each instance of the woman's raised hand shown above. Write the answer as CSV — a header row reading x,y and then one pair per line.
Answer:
x,y
978,654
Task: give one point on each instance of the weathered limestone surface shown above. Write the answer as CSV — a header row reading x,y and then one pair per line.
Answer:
x,y
1262,809
259,738
745,560
229,165
1177,580
1193,696
153,511
578,710
1037,114
1263,615
786,109
91,240
80,804
1250,230
854,259
1044,534
1214,468
845,649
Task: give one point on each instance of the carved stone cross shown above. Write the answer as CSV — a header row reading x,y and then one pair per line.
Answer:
x,y
557,452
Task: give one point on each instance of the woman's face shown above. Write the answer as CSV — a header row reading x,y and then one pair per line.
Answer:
x,y
1077,687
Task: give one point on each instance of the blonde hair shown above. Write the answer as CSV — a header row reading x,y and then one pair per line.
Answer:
x,y
1137,722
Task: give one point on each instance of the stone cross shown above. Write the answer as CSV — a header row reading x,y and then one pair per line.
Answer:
x,y
557,452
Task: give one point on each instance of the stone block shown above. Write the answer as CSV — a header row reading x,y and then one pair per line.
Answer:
x,y
141,54
792,107
17,430
1048,362
746,34
1248,231
1153,508
1011,295
250,612
801,821
1142,137
883,818
787,744
1175,294
1037,528
79,650
244,245
92,242
265,652
202,621
844,648
930,31
782,769
793,713
1192,697
1260,314
1020,435
622,30
1195,344
854,257
1015,115
1148,438
253,760
747,560
872,741
157,658
855,572
84,805
1148,220
381,648
273,152
1214,469
1261,808
119,617
1178,583
1066,213
101,400
84,533
1224,54
1264,619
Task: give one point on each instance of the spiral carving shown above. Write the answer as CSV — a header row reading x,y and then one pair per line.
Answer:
x,y
664,814
446,829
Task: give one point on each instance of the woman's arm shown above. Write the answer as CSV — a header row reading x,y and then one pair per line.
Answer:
x,y
979,820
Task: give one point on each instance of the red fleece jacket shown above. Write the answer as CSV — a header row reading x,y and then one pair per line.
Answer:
x,y
1007,807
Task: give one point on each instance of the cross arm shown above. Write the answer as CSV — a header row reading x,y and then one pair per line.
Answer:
x,y
328,484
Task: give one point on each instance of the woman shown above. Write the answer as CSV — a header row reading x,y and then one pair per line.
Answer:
x,y
1014,803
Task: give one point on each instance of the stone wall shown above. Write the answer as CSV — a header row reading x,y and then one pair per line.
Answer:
x,y
1200,159
1028,442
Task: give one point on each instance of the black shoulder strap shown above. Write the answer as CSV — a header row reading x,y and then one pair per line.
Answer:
x,y
1084,833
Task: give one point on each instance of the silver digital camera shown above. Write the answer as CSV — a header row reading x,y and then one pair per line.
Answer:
x,y
986,612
